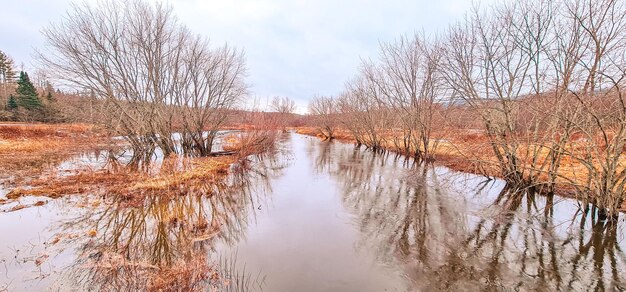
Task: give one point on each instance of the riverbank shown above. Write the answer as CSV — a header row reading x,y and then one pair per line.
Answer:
x,y
27,149
471,153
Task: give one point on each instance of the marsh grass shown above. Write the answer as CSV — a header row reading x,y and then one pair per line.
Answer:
x,y
28,149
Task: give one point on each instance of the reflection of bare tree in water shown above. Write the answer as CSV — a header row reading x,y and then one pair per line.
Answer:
x,y
322,154
412,218
167,243
539,253
395,214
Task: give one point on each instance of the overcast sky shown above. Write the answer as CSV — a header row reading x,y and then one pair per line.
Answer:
x,y
293,48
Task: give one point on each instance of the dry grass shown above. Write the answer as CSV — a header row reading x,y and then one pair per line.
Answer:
x,y
12,131
251,142
167,180
242,127
29,148
339,134
177,171
26,150
233,142
175,176
471,152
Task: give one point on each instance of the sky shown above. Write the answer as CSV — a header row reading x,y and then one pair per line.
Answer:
x,y
295,48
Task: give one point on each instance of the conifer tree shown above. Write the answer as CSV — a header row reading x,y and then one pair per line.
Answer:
x,y
26,93
12,103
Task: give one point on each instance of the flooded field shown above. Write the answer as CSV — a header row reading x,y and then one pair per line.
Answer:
x,y
314,216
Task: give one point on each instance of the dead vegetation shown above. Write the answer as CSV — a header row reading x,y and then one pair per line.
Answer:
x,y
165,241
338,134
527,91
470,151
30,148
152,227
128,182
172,174
153,77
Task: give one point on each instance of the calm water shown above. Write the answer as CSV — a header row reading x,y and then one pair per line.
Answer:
x,y
318,216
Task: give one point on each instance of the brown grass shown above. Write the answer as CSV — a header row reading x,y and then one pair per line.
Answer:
x,y
233,142
339,134
29,148
26,150
470,152
174,177
251,142
242,127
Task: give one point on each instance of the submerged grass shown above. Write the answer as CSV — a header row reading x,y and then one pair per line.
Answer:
x,y
175,173
48,145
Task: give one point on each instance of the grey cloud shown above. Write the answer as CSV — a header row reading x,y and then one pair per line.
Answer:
x,y
293,48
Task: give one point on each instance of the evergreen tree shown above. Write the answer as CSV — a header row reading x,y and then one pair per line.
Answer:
x,y
26,93
12,103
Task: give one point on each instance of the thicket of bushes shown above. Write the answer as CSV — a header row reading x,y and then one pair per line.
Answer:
x,y
543,79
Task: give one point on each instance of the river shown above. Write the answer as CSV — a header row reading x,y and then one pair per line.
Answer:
x,y
317,216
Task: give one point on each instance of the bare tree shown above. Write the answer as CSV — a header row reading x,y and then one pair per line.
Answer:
x,y
213,85
284,107
364,115
153,74
324,112
7,74
599,95
545,78
493,61
409,82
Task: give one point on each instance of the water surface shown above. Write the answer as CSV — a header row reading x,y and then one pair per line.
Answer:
x,y
318,216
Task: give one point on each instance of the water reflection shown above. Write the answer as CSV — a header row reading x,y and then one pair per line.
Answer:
x,y
338,218
455,231
167,242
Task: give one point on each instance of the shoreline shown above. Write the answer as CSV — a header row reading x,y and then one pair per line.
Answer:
x,y
452,162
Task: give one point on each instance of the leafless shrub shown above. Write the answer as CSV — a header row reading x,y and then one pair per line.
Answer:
x,y
542,76
284,107
407,82
599,95
324,112
364,115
